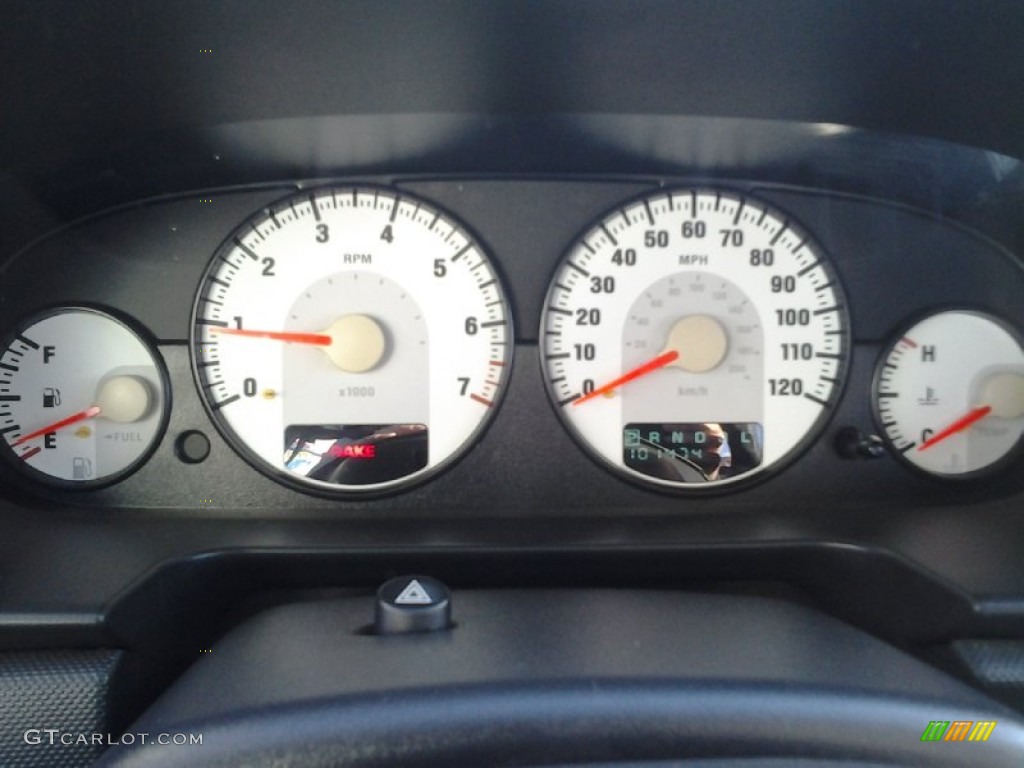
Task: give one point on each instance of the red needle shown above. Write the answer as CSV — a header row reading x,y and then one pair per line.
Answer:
x,y
957,426
316,339
88,413
641,370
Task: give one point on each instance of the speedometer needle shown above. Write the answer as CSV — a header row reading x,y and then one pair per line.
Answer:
x,y
641,370
316,339
959,425
88,413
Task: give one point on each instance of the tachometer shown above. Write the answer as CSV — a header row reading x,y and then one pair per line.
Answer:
x,y
351,339
694,337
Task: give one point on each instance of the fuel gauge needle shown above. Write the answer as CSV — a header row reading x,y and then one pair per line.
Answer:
x,y
965,421
88,413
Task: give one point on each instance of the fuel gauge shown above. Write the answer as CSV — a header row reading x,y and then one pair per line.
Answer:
x,y
949,394
83,399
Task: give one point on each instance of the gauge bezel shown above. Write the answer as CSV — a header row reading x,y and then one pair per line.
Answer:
x,y
399,485
150,343
812,435
1012,456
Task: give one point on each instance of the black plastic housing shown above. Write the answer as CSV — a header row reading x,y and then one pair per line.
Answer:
x,y
550,677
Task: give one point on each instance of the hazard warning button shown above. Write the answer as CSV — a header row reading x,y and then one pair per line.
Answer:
x,y
412,604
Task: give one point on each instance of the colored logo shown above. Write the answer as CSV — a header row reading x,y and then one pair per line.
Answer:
x,y
958,730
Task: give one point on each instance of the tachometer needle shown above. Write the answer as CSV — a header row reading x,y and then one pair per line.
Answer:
x,y
641,370
316,339
959,425
88,413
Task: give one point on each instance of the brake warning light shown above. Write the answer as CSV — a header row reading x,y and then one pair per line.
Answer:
x,y
354,451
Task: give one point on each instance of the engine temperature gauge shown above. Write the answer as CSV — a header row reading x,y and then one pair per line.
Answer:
x,y
83,398
949,394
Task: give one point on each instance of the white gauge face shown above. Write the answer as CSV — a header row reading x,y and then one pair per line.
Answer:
x,y
351,339
693,338
949,394
82,398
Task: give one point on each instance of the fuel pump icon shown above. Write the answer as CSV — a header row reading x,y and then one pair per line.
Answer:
x,y
81,468
51,397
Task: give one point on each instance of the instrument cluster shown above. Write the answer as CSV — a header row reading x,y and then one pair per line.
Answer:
x,y
352,340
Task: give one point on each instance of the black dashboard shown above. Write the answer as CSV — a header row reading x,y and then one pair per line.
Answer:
x,y
136,141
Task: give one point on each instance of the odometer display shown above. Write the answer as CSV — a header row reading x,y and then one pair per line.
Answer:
x,y
694,312
351,339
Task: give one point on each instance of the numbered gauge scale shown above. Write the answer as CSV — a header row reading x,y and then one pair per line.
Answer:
x,y
351,339
694,338
83,398
949,395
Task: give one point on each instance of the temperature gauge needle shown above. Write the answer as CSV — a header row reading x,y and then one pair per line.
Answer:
x,y
957,426
315,339
88,413
641,370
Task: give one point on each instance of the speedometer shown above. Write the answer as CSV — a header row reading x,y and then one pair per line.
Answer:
x,y
694,337
351,339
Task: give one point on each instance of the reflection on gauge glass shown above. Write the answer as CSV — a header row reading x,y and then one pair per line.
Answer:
x,y
83,399
949,394
694,338
351,339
